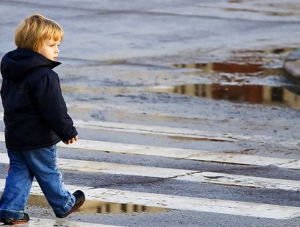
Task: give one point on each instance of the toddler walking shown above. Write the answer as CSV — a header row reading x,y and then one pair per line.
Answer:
x,y
36,119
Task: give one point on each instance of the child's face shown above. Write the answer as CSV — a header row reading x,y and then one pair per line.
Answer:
x,y
50,49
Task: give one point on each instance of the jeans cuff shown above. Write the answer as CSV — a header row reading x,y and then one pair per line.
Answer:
x,y
11,214
66,208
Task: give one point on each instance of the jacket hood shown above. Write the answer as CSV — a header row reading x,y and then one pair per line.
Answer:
x,y
18,63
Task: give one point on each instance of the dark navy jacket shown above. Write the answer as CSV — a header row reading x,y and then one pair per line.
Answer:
x,y
35,113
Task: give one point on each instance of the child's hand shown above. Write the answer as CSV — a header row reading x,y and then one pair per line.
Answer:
x,y
71,140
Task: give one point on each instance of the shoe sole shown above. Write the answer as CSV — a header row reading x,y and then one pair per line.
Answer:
x,y
19,223
11,222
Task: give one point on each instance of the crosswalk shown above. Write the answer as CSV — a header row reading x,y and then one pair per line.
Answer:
x,y
182,202
116,199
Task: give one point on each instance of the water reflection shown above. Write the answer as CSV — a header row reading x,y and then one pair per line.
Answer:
x,y
226,67
246,62
104,207
246,69
96,207
254,94
232,78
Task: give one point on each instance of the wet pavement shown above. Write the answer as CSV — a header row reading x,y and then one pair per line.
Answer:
x,y
165,75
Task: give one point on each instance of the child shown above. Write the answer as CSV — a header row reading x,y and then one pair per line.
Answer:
x,y
36,119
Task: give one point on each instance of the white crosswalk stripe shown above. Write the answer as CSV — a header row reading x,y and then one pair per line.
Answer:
x,y
179,132
34,222
179,153
181,202
176,174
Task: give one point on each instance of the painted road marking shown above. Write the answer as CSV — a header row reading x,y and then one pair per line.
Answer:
x,y
156,130
179,153
196,204
179,132
34,222
176,174
181,202
153,130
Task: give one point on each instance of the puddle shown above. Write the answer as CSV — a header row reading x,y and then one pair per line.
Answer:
x,y
248,62
198,139
239,78
226,67
102,207
252,94
96,207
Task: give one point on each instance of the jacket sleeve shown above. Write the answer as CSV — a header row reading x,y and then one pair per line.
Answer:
x,y
52,106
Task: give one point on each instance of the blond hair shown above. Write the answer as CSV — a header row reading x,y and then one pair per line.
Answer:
x,y
34,30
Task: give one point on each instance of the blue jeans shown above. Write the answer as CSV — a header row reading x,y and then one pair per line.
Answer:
x,y
24,166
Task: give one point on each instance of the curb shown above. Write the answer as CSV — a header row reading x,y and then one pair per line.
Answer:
x,y
291,67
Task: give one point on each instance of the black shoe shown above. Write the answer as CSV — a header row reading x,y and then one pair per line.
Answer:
x,y
11,221
80,198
